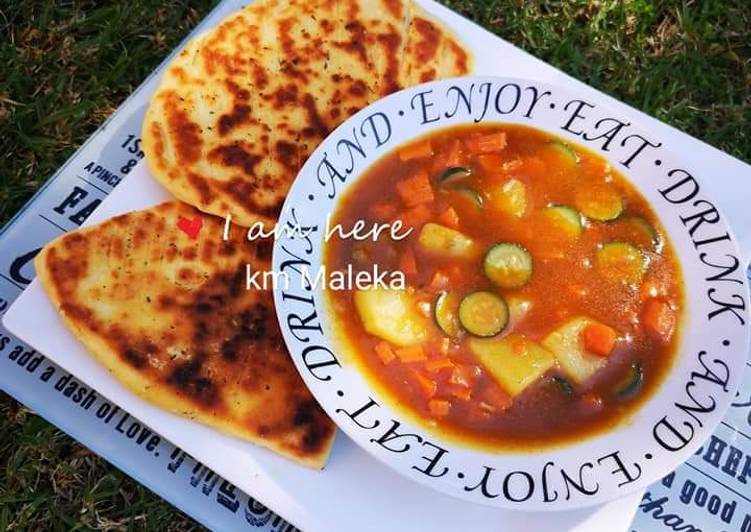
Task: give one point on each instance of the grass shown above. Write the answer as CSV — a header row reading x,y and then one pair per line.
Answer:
x,y
686,63
67,65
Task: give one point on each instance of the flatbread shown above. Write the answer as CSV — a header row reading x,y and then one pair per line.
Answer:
x,y
242,106
170,317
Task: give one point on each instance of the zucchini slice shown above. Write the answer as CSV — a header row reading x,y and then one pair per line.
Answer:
x,y
445,241
565,218
621,262
471,194
446,313
600,201
644,232
508,265
453,174
563,385
565,150
483,313
631,383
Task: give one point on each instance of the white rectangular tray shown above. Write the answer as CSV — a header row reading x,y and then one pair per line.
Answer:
x,y
354,492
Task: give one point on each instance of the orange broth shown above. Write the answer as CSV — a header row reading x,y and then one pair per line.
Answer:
x,y
441,380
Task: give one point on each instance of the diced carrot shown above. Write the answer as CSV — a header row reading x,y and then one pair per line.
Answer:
x,y
456,273
480,411
383,211
659,319
417,150
449,218
424,308
439,407
427,385
408,263
438,163
413,353
491,163
415,190
456,155
448,276
416,216
510,166
497,398
599,339
461,392
463,375
488,143
384,352
439,280
437,364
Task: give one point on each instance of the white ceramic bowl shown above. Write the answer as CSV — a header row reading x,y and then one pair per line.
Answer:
x,y
664,431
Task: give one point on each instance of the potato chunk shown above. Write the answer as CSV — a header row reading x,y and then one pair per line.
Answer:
x,y
511,198
568,347
391,315
514,361
445,241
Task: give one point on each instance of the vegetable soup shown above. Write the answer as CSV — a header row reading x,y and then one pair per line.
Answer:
x,y
542,299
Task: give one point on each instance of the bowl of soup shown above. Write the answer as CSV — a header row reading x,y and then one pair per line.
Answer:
x,y
511,294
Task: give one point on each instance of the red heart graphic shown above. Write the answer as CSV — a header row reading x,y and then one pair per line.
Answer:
x,y
190,227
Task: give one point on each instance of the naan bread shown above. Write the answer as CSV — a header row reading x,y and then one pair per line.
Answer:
x,y
243,105
170,317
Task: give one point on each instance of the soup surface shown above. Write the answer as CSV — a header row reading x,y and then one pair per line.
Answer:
x,y
542,299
